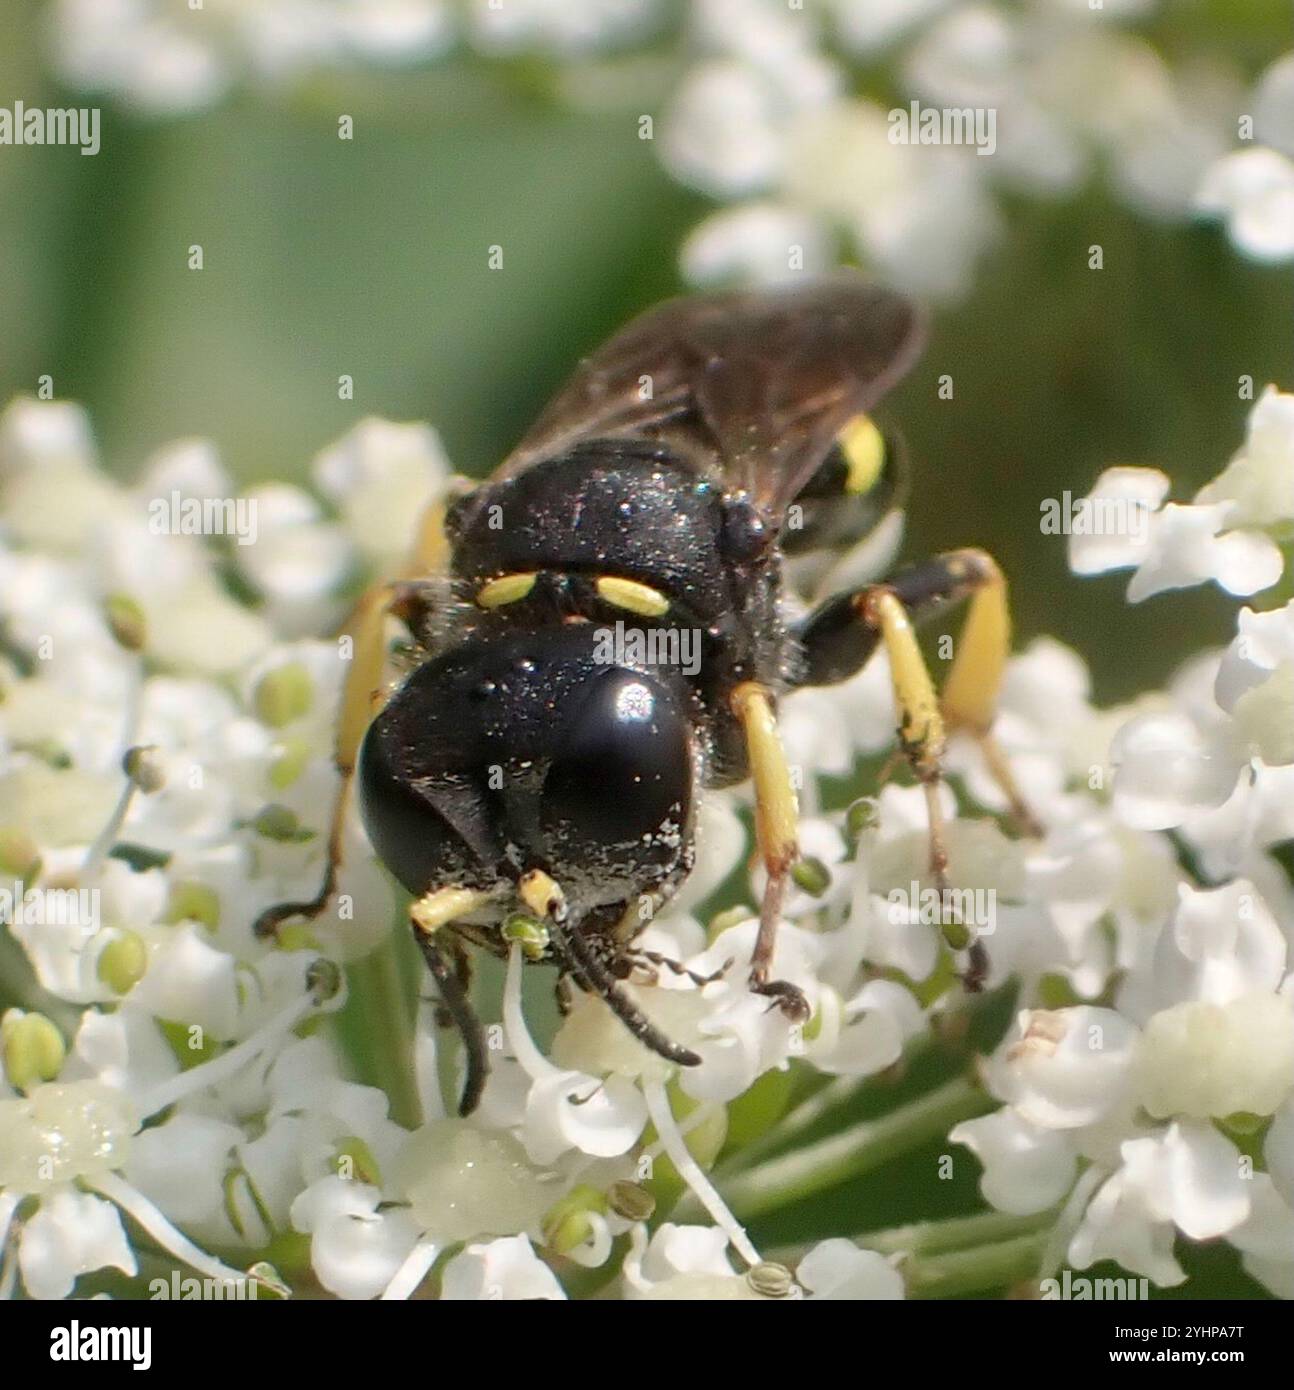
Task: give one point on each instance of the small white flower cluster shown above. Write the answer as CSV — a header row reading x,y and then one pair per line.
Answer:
x,y
1169,1106
770,121
171,57
165,773
167,1064
1253,189
168,57
1209,759
765,115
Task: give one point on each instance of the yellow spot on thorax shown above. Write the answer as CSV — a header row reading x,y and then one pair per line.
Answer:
x,y
630,594
507,588
863,446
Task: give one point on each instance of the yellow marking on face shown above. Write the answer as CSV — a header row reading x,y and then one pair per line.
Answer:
x,y
541,894
507,588
863,446
441,906
630,594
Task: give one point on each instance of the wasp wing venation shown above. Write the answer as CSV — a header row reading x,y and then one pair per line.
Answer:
x,y
753,384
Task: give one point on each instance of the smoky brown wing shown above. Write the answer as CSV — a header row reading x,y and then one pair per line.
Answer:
x,y
754,383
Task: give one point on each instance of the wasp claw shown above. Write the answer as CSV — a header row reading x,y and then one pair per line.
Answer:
x,y
785,996
977,966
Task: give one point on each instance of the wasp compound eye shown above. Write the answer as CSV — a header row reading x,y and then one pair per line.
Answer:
x,y
621,775
420,826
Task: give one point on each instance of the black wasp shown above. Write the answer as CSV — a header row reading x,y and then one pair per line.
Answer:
x,y
522,783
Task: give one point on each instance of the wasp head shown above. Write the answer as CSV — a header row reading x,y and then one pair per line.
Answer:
x,y
524,751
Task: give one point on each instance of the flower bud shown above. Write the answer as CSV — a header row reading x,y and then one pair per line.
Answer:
x,y
812,875
283,695
529,931
123,961
126,621
142,766
771,1280
566,1225
631,1201
33,1050
19,856
1215,1060
193,902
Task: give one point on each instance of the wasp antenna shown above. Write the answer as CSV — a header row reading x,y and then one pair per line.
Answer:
x,y
584,961
454,997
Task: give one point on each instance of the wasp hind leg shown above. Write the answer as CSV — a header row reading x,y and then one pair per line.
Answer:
x,y
838,637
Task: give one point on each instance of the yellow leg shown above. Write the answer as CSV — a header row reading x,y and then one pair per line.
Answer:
x,y
363,695
361,698
921,724
776,831
971,692
921,732
969,701
429,553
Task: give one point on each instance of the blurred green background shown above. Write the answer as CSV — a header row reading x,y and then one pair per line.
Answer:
x,y
369,257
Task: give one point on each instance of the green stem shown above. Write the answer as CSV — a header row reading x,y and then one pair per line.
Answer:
x,y
377,1026
837,1092
957,1232
851,1153
19,988
980,1270
938,1237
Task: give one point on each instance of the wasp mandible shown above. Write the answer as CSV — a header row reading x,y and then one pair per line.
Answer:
x,y
517,776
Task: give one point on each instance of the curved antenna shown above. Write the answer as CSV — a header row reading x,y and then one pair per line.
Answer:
x,y
454,997
583,961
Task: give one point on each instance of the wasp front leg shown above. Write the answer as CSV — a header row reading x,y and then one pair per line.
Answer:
x,y
777,817
362,697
